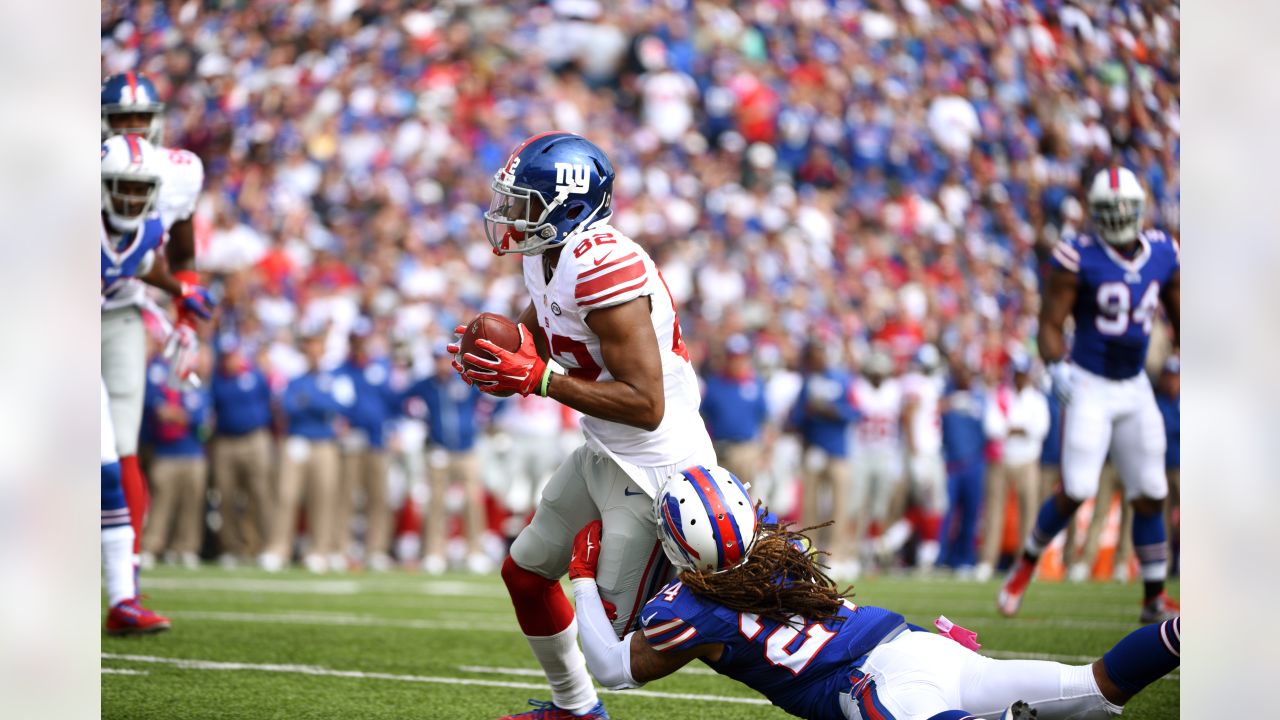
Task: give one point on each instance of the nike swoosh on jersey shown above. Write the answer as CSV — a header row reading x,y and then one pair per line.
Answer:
x,y
645,620
627,491
599,260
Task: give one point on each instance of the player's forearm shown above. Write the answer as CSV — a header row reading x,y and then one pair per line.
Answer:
x,y
1052,344
609,400
160,277
608,658
181,249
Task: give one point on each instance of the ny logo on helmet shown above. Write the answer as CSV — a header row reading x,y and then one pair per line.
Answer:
x,y
572,178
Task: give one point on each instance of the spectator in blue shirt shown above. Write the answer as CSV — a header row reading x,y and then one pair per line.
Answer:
x,y
364,459
733,407
964,442
1168,399
174,421
241,453
309,466
821,416
454,414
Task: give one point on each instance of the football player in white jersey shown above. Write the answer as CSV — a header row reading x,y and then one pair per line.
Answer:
x,y
877,452
131,106
600,335
922,389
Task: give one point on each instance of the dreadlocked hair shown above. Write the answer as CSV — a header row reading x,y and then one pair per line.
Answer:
x,y
779,579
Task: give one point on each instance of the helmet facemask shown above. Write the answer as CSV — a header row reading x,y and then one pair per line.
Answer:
x,y
1117,219
517,219
127,198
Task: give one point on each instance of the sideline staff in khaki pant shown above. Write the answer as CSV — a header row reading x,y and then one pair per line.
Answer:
x,y
364,461
733,407
1018,417
453,422
241,454
308,468
174,423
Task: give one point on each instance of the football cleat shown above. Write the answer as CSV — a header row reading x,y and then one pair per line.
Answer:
x,y
1158,609
546,710
1009,601
128,617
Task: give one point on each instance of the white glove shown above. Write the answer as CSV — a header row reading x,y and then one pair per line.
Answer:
x,y
182,350
1060,372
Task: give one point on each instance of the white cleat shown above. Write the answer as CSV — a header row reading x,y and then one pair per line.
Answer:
x,y
315,563
434,565
983,572
1078,573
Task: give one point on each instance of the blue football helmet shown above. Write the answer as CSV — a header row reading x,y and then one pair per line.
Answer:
x,y
554,185
132,93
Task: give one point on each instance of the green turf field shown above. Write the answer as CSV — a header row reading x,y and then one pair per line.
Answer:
x,y
247,644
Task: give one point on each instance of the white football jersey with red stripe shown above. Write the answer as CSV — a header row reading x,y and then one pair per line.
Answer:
x,y
181,177
881,409
926,391
599,268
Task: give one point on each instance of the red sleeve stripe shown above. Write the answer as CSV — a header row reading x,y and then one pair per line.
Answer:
x,y
611,279
638,285
585,274
676,640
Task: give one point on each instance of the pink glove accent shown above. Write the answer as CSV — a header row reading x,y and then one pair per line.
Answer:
x,y
964,636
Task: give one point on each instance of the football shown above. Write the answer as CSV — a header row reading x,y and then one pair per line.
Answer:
x,y
492,327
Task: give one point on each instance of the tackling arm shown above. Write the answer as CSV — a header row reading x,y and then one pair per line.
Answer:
x,y
631,661
630,351
1059,298
1171,297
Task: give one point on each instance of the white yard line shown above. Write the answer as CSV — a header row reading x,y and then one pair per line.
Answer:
x,y
309,618
535,672
123,671
190,664
323,587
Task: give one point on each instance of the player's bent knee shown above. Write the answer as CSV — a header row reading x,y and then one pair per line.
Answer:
x,y
523,581
1144,505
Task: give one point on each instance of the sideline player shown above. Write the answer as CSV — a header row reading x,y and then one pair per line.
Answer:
x,y
131,236
879,497
1112,285
131,106
600,310
762,612
922,389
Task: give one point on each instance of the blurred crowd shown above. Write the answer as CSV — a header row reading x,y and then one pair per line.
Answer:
x,y
846,174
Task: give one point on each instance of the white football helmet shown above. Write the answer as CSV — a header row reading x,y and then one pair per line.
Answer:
x,y
1116,201
130,180
706,520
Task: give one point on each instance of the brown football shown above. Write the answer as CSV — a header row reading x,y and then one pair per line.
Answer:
x,y
496,329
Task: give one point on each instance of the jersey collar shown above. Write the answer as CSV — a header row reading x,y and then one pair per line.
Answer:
x,y
1134,265
117,255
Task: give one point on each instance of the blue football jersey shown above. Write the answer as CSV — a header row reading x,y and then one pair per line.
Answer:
x,y
1117,301
130,259
801,667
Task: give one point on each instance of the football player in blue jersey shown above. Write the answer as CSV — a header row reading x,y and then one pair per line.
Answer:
x,y
1112,285
130,247
753,604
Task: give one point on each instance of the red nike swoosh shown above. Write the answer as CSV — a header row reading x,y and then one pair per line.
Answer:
x,y
602,259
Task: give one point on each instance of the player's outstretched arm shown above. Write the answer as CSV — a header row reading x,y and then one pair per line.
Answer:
x,y
191,298
1059,297
629,348
1171,298
616,664
181,248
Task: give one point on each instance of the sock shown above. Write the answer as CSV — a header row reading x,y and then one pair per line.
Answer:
x,y
546,618
566,669
1049,522
1152,551
1144,655
117,538
117,563
136,494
